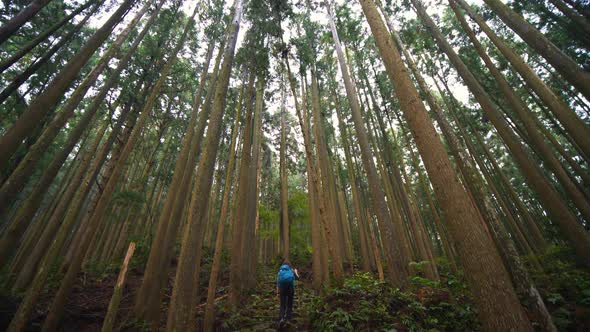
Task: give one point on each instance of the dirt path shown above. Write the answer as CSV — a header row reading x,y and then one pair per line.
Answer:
x,y
260,310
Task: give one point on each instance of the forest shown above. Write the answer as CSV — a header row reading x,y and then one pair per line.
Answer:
x,y
417,165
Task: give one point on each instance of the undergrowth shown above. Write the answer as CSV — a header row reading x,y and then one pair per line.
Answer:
x,y
366,304
565,288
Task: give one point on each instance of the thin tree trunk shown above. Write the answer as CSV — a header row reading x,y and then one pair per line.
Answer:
x,y
317,205
34,200
322,162
45,102
442,230
284,197
18,178
316,233
565,65
539,243
365,260
239,224
43,36
567,117
248,250
212,214
19,79
376,251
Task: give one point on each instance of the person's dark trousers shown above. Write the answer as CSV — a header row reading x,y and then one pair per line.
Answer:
x,y
286,293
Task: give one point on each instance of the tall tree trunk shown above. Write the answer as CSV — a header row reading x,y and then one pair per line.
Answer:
x,y
212,214
317,205
323,163
239,224
248,250
216,264
360,217
397,263
182,306
422,179
25,15
148,299
557,209
494,295
317,270
401,194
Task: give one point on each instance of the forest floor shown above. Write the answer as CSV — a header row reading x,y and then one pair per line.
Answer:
x,y
87,305
361,303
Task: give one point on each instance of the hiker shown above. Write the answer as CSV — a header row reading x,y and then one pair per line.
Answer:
x,y
286,289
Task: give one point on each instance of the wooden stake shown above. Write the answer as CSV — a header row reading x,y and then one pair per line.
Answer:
x,y
109,320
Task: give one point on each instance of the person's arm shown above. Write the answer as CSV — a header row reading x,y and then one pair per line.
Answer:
x,y
296,274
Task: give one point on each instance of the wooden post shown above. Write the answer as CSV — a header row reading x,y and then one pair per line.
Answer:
x,y
109,320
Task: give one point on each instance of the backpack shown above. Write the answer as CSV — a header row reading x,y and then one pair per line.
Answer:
x,y
286,275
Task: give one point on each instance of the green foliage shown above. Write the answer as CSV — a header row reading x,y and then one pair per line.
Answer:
x,y
565,288
135,324
141,254
364,303
269,218
300,230
129,198
266,217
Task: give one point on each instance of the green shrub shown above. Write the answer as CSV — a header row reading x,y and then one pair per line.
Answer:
x,y
364,303
565,288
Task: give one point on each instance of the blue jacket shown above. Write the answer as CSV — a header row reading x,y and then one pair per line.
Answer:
x,y
296,277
